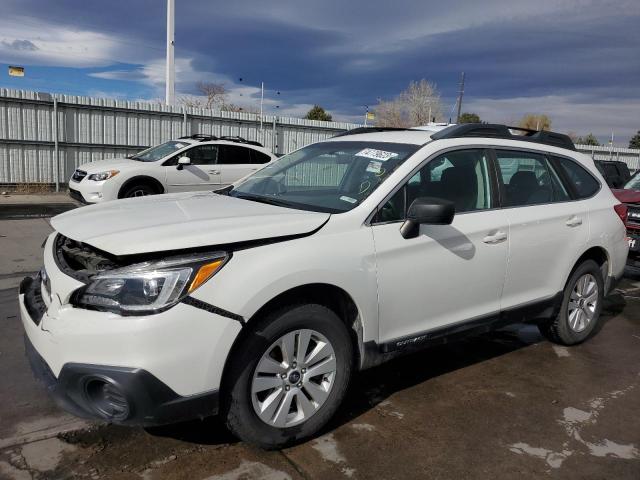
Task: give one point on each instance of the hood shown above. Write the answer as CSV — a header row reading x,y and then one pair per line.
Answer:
x,y
108,164
179,221
627,196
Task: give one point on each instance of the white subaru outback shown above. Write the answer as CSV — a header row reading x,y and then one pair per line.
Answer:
x,y
196,162
260,302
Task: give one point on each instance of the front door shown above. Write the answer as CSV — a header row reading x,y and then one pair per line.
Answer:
x,y
448,274
201,174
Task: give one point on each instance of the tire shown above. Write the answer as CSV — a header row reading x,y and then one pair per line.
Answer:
x,y
138,190
243,398
573,325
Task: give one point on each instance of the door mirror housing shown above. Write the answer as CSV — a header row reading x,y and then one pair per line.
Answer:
x,y
182,161
427,211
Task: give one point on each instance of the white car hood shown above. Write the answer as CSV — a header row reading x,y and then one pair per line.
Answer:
x,y
109,164
179,221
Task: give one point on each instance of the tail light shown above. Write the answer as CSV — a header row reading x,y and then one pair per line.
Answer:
x,y
622,211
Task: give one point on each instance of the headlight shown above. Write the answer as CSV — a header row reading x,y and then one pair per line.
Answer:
x,y
148,287
98,177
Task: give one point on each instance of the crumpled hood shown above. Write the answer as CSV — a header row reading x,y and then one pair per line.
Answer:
x,y
179,221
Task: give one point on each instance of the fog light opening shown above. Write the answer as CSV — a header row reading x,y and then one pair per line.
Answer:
x,y
106,399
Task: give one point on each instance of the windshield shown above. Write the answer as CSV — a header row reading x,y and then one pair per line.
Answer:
x,y
327,177
634,182
159,151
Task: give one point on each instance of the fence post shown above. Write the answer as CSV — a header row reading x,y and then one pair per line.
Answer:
x,y
184,121
56,165
274,146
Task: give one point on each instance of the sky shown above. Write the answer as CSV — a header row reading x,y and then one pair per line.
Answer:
x,y
578,61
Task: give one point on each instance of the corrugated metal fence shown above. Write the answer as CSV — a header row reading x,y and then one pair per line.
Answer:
x,y
32,143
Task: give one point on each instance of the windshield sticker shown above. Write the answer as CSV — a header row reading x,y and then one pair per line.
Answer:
x,y
348,199
376,154
180,145
374,167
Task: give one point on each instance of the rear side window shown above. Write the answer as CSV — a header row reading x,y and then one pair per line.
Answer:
x,y
529,179
259,157
233,154
581,180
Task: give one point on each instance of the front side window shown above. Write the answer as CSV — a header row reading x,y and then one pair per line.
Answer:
x,y
332,176
528,179
203,155
583,182
159,151
460,176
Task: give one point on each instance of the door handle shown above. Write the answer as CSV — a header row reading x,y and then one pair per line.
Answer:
x,y
497,237
214,172
574,222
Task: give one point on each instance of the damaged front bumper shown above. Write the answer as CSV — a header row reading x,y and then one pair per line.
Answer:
x,y
123,395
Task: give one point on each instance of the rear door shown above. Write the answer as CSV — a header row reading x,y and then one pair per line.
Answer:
x,y
546,226
234,162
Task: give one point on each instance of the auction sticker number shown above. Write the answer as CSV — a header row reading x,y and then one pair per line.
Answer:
x,y
380,155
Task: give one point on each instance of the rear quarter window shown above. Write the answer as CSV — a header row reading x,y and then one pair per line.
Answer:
x,y
584,184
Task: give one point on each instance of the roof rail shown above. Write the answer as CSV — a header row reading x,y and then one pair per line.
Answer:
x,y
493,130
359,130
237,139
201,136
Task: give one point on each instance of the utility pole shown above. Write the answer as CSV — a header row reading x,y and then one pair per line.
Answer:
x,y
261,102
171,67
460,95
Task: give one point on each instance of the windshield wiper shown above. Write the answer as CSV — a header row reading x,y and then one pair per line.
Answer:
x,y
267,200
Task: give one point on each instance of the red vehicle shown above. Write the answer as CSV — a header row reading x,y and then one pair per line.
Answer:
x,y
630,196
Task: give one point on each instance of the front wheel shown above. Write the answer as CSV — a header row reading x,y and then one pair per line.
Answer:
x,y
141,190
581,306
288,376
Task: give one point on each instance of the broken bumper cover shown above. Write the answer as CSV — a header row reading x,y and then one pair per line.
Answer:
x,y
127,396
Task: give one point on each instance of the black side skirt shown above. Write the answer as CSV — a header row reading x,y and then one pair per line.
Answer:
x,y
529,312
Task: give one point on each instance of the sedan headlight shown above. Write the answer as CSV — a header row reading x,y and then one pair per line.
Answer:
x,y
148,287
99,177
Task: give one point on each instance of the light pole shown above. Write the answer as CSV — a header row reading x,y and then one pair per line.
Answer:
x,y
171,67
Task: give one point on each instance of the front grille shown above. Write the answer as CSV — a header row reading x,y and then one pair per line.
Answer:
x,y
79,260
78,175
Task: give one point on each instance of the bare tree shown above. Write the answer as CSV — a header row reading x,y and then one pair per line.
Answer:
x,y
215,93
419,104
389,114
535,122
212,96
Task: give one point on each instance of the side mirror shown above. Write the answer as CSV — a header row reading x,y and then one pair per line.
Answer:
x,y
182,161
427,211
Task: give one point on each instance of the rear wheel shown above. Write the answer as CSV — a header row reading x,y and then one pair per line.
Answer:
x,y
140,190
581,306
288,376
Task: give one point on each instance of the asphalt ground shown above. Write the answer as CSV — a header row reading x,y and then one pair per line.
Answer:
x,y
505,405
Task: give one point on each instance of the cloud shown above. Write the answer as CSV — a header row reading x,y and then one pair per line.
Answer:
x,y
519,56
24,45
